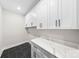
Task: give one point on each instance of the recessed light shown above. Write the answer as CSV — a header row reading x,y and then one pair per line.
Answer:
x,y
19,8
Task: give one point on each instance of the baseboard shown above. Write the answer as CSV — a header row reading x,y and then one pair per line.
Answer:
x,y
1,52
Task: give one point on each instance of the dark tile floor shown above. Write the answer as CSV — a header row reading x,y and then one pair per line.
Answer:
x,y
21,51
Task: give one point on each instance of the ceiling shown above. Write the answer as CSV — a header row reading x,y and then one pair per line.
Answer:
x,y
18,6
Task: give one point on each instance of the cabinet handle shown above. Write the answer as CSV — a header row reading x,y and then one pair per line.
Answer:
x,y
56,23
59,22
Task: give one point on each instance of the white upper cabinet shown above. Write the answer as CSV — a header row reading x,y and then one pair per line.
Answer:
x,y
68,14
55,14
27,21
62,14
52,14
30,19
41,12
40,15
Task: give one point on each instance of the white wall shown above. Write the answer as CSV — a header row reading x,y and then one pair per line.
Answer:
x,y
13,29
0,29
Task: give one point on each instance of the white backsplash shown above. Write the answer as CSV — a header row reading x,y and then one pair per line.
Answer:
x,y
68,37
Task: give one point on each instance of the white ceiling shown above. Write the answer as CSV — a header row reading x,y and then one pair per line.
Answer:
x,y
19,6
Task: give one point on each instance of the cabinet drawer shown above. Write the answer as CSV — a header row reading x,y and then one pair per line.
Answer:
x,y
40,51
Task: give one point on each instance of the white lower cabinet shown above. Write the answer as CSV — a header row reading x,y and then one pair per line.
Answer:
x,y
40,50
37,53
33,52
40,54
60,52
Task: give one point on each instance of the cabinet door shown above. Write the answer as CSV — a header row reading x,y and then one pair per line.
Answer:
x,y
30,19
52,14
33,19
41,11
33,52
67,14
27,20
40,54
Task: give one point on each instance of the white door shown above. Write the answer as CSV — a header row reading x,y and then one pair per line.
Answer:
x,y
52,14
67,14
